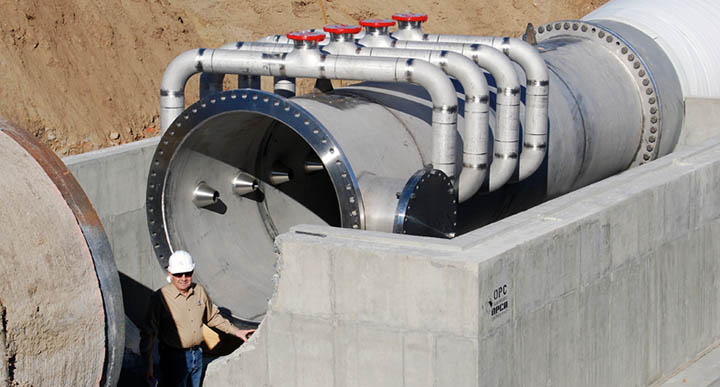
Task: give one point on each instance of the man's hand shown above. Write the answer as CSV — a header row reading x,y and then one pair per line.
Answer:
x,y
244,334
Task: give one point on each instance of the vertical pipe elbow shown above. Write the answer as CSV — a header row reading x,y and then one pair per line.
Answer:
x,y
441,90
172,86
495,62
525,55
433,79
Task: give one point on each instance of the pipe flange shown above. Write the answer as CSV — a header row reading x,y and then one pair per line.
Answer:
x,y
254,101
427,205
631,59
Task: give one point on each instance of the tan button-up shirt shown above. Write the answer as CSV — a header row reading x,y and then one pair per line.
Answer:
x,y
177,320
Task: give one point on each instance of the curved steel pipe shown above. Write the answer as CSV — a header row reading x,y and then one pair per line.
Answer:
x,y
309,62
505,146
537,89
471,77
505,149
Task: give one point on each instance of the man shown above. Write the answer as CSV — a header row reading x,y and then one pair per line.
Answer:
x,y
175,315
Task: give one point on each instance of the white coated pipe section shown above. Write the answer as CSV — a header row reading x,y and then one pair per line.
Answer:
x,y
537,89
505,145
685,30
471,77
311,63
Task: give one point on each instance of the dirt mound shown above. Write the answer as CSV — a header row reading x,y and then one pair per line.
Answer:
x,y
82,75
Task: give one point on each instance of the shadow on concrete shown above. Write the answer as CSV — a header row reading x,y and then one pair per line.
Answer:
x,y
136,298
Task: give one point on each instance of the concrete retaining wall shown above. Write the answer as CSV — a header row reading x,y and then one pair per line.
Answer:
x,y
617,284
115,180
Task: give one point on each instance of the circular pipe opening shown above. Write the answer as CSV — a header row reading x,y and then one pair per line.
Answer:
x,y
231,227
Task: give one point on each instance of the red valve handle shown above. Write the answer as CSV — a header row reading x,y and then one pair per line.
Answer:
x,y
306,36
377,23
342,29
410,17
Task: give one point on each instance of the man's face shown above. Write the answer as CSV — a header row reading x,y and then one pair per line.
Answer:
x,y
182,281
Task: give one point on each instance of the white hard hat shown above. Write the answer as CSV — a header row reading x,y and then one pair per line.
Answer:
x,y
180,262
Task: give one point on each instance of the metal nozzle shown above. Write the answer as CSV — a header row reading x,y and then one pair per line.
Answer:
x,y
204,195
313,166
244,184
280,175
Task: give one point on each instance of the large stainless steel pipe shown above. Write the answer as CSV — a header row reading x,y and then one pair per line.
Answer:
x,y
615,101
255,132
62,316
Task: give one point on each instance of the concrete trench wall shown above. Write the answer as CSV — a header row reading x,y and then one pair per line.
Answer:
x,y
615,284
115,180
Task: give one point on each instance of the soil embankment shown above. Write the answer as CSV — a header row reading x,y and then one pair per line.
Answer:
x,y
82,75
